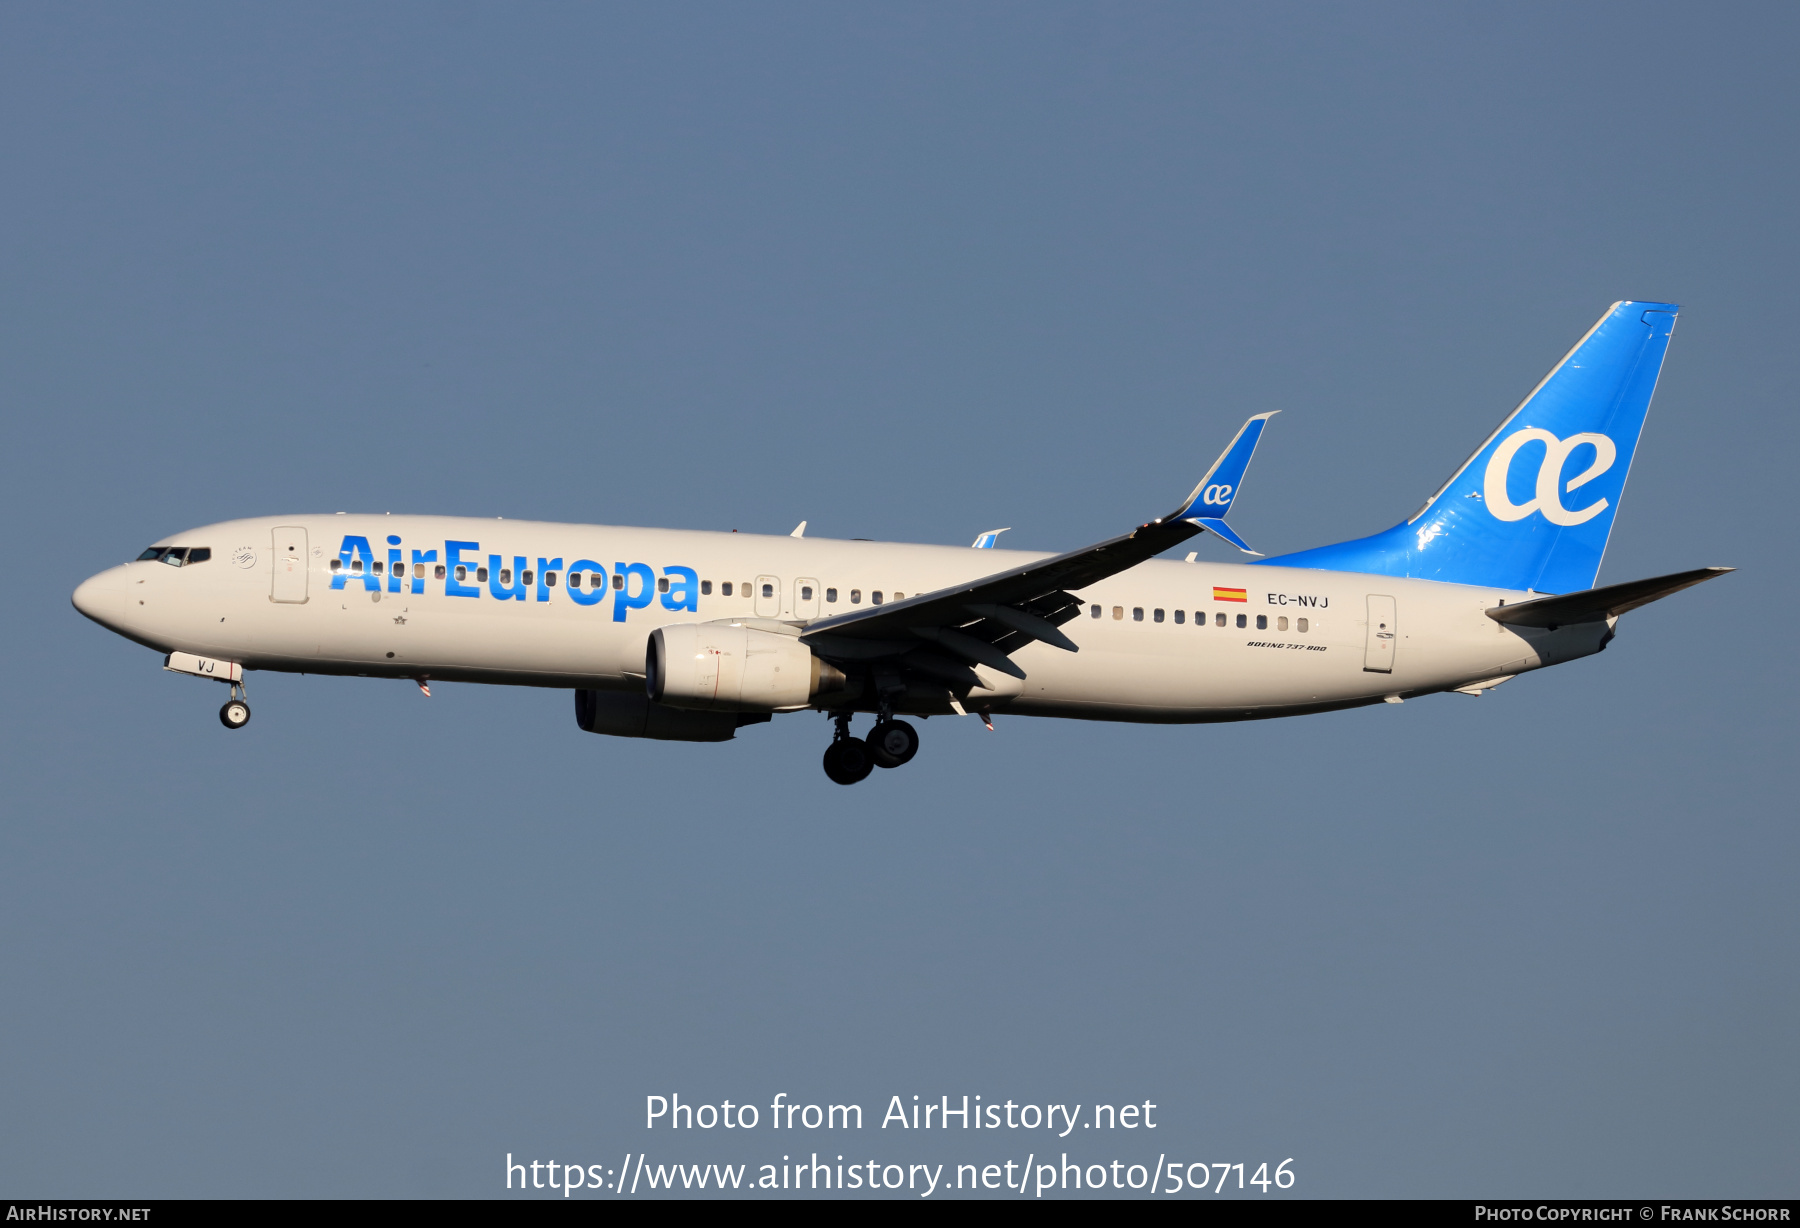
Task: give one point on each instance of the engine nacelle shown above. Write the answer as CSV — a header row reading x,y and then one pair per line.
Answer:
x,y
626,714
722,667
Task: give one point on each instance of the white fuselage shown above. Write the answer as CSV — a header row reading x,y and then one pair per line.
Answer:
x,y
1154,652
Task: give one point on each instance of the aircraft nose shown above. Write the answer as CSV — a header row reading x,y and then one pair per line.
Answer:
x,y
102,597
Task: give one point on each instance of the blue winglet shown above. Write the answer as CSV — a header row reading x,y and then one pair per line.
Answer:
x,y
1214,495
1223,530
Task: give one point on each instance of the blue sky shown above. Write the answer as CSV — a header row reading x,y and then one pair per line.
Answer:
x,y
906,272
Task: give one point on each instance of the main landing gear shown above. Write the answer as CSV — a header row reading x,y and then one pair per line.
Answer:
x,y
890,744
236,712
893,742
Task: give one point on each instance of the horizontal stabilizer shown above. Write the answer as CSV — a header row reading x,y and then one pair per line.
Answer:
x,y
1599,604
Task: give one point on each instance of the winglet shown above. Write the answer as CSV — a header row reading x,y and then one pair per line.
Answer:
x,y
1214,495
986,540
1224,530
799,530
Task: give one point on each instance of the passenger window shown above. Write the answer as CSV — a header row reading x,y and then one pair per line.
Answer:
x,y
336,563
1094,611
706,588
806,592
574,579
1241,621
662,584
1180,616
831,596
377,566
875,596
549,579
481,575
199,554
856,596
725,589
1262,622
1156,616
768,590
1118,612
526,577
506,575
618,580
1300,624
462,573
1281,623
1219,619
1137,613
419,571
744,588
438,571
899,596
355,566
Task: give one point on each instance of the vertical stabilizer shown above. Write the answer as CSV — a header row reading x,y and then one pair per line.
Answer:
x,y
1534,506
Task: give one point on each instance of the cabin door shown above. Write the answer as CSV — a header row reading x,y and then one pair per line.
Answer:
x,y
1378,649
289,546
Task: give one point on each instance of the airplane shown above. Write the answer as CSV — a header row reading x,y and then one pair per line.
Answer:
x,y
690,636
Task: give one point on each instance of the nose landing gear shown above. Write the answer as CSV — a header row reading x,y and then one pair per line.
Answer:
x,y
236,712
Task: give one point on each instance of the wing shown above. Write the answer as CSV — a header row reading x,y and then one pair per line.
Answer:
x,y
984,621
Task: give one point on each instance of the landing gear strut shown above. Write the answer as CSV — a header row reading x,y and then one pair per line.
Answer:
x,y
236,712
847,760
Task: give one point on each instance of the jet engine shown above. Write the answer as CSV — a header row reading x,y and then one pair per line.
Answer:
x,y
728,667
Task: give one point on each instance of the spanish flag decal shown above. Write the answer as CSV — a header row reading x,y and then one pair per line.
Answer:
x,y
1228,594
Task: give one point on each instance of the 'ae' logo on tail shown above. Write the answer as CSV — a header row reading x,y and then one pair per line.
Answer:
x,y
1547,499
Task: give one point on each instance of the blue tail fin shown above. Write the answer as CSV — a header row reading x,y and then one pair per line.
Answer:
x,y
1533,507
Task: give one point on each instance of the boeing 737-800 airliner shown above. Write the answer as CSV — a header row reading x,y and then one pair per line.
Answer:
x,y
689,636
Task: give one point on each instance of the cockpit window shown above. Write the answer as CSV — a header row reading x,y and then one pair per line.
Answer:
x,y
175,556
